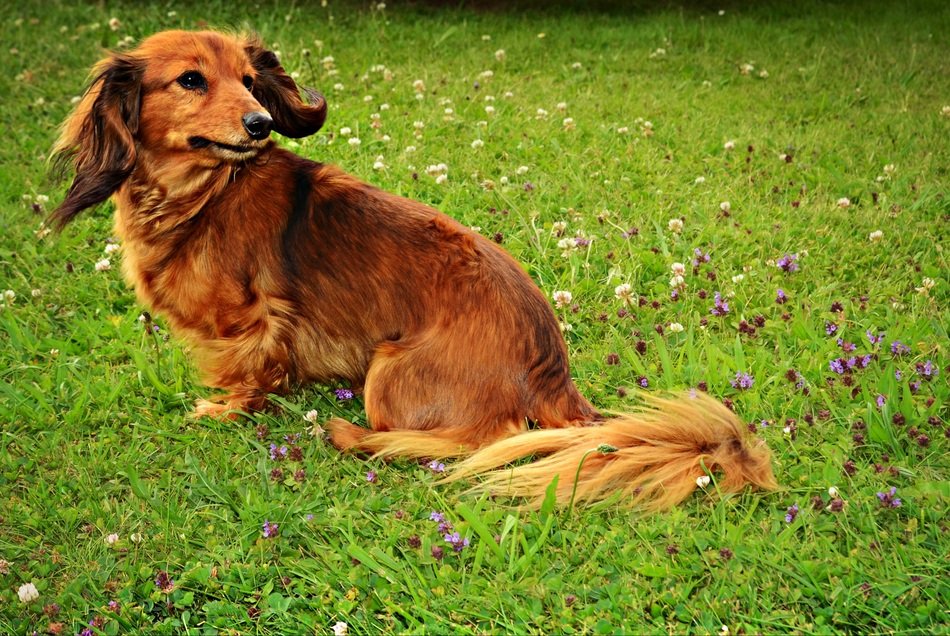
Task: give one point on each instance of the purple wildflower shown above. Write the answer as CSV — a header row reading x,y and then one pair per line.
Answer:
x,y
270,530
831,328
927,370
88,631
780,297
846,346
791,513
343,394
278,453
436,466
864,361
898,374
113,606
837,366
743,381
889,499
580,241
643,382
720,307
631,232
898,348
874,339
164,582
851,362
371,476
788,263
914,386
457,542
881,400
700,257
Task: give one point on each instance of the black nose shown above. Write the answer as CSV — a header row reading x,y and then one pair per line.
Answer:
x,y
257,125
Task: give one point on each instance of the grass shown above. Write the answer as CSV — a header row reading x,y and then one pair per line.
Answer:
x,y
95,440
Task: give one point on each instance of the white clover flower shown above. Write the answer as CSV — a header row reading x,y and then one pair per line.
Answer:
x,y
43,199
354,141
876,236
558,227
338,87
677,281
945,111
379,165
500,55
746,69
346,131
562,298
103,265
27,593
578,66
702,481
521,170
419,86
508,95
486,38
36,293
340,628
624,292
844,202
565,326
729,145
503,180
725,206
410,149
763,74
623,130
436,169
832,491
738,278
418,125
926,285
541,114
675,225
490,109
478,143
441,179
112,247
487,74
700,180
678,269
562,106
9,296
384,106
449,111
114,24
675,327
569,123
112,539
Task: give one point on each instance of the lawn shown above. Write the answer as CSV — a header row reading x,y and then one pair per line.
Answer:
x,y
793,160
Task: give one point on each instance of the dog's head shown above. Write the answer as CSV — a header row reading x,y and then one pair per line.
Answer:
x,y
193,98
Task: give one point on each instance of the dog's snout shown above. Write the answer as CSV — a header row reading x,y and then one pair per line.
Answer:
x,y
258,125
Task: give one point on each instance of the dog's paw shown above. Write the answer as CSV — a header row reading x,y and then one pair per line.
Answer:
x,y
215,410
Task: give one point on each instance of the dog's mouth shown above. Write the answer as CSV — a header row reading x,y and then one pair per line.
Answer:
x,y
229,150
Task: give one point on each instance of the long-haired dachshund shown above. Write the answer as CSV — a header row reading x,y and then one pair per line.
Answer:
x,y
281,271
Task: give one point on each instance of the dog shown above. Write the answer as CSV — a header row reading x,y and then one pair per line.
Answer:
x,y
281,271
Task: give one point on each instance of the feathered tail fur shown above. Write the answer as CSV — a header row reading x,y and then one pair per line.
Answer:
x,y
651,457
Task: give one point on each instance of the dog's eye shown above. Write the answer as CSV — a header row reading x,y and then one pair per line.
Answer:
x,y
248,82
193,80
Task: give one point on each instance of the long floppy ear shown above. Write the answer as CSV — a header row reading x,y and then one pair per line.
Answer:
x,y
278,93
98,138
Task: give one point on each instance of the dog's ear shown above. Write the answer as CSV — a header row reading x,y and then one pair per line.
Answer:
x,y
278,93
98,138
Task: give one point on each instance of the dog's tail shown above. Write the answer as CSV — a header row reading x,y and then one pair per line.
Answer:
x,y
651,458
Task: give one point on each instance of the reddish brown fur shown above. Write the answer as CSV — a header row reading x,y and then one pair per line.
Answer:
x,y
282,271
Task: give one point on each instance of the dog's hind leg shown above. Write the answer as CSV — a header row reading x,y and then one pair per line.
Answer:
x,y
421,401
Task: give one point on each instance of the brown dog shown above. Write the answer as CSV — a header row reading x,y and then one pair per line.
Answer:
x,y
282,271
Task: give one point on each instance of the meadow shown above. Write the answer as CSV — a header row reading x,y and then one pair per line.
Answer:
x,y
750,201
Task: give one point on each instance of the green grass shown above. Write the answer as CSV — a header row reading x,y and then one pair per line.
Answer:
x,y
95,438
